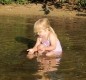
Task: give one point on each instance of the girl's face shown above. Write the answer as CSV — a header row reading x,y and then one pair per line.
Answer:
x,y
41,33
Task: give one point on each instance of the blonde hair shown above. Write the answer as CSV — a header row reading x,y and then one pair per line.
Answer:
x,y
43,24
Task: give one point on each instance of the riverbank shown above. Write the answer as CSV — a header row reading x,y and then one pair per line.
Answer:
x,y
35,10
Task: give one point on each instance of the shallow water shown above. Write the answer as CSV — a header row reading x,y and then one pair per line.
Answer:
x,y
16,37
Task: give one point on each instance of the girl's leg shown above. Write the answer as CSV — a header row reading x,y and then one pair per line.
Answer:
x,y
53,54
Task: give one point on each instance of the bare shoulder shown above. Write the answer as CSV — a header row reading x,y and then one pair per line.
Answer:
x,y
52,35
53,39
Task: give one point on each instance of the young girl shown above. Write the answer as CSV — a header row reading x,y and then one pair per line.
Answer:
x,y
47,42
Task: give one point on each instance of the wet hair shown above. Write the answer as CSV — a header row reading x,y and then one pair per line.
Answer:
x,y
43,24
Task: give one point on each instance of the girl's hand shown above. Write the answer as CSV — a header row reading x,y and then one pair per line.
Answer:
x,y
31,51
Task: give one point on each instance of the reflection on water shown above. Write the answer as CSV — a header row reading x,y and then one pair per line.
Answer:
x,y
16,36
48,67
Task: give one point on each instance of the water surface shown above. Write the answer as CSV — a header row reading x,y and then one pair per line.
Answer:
x,y
16,36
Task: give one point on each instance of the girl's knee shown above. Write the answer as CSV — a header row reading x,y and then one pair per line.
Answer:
x,y
48,55
52,54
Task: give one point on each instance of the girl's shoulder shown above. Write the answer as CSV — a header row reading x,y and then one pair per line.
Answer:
x,y
52,35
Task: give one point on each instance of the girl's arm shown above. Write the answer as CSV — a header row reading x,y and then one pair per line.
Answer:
x,y
32,50
37,43
53,40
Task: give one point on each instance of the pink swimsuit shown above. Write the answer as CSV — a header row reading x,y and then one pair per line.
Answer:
x,y
58,46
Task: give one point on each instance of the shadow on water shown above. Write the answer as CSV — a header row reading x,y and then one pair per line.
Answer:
x,y
27,41
30,43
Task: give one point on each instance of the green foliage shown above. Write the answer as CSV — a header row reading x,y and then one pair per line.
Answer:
x,y
21,1
82,3
6,1
16,1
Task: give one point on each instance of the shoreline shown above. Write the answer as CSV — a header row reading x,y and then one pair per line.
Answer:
x,y
35,10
